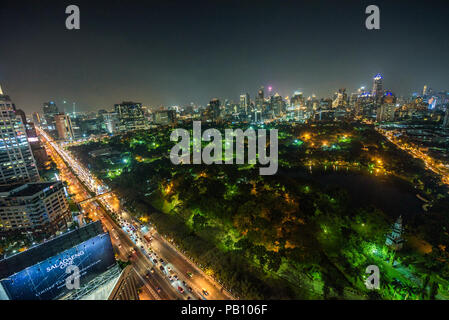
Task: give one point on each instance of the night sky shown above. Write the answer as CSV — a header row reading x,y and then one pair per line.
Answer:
x,y
177,52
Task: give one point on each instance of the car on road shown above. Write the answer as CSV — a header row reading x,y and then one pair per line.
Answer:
x,y
155,261
152,270
161,268
189,274
189,288
205,292
158,289
175,276
189,298
180,289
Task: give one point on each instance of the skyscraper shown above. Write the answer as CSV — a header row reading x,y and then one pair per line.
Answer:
x,y
50,110
39,153
278,105
244,103
297,100
64,127
260,99
36,119
34,207
131,116
424,91
165,117
341,98
377,92
30,129
111,122
214,109
386,112
17,163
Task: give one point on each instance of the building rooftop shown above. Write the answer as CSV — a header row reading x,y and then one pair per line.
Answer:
x,y
25,189
48,249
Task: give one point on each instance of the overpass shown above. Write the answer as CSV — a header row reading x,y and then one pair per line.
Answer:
x,y
94,198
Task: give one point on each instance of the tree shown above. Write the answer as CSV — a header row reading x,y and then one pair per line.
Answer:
x,y
199,221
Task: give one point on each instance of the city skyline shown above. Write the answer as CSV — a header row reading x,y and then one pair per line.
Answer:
x,y
70,107
156,55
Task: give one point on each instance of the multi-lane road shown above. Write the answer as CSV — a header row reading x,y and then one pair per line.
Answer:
x,y
156,287
437,167
131,240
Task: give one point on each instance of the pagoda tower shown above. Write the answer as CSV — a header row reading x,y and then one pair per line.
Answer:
x,y
394,239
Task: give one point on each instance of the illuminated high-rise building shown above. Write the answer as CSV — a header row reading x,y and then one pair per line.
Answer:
x,y
297,100
111,122
165,117
50,110
278,105
39,153
64,127
36,119
39,207
214,109
386,112
17,163
260,99
131,116
29,126
388,97
353,99
424,91
377,92
341,98
244,103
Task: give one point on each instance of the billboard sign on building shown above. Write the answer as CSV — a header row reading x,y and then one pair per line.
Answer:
x,y
47,280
